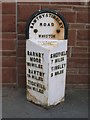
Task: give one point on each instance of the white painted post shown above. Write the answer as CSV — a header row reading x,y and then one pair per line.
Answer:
x,y
46,62
46,58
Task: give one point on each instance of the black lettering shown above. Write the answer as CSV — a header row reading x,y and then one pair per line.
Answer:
x,y
59,59
51,61
41,91
43,14
40,24
29,87
39,36
46,15
60,23
31,59
28,70
33,53
44,24
50,14
51,74
51,56
53,16
40,16
33,88
27,52
31,26
58,54
28,75
35,21
37,18
61,26
59,72
52,24
48,24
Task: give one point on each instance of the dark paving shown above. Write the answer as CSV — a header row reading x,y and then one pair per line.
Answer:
x,y
15,105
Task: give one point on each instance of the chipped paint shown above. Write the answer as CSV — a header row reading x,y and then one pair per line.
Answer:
x,y
50,90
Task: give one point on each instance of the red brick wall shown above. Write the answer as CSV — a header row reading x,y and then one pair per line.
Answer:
x,y
9,73
13,27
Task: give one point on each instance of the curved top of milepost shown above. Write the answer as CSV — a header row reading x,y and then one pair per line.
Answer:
x,y
46,11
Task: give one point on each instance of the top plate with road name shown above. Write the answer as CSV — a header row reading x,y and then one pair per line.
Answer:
x,y
46,24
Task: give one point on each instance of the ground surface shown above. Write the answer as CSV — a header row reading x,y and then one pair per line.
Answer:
x,y
15,105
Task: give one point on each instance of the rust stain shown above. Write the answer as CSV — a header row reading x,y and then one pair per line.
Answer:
x,y
30,97
34,100
44,105
60,35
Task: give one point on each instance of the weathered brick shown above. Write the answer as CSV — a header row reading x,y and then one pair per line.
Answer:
x,y
1,75
77,79
89,49
79,50
8,23
21,37
71,37
68,52
22,43
77,63
0,8
88,81
69,16
21,52
21,28
67,3
0,52
9,44
22,80
88,25
83,71
0,44
72,71
13,85
8,8
75,26
89,70
22,69
83,35
0,61
80,55
80,8
0,35
26,10
32,3
9,53
21,60
8,61
82,43
8,35
21,65
58,7
9,75
0,22
82,17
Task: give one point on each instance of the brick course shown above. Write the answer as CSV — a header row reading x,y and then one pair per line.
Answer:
x,y
8,23
9,73
8,61
26,10
76,15
9,8
82,17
